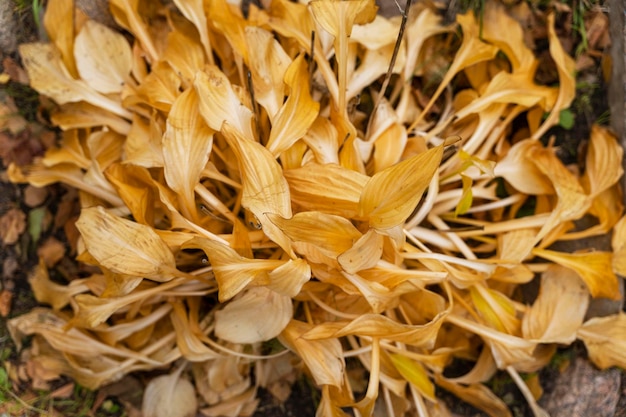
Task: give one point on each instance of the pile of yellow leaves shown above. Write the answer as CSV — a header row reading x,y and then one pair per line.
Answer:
x,y
244,182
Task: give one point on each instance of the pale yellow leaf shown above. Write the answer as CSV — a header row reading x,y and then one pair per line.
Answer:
x,y
391,195
324,358
603,162
257,315
298,112
170,396
328,188
566,68
364,254
605,340
559,310
103,57
186,146
125,247
219,102
595,269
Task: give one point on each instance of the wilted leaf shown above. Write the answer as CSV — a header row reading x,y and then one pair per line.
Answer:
x,y
364,254
415,373
103,57
478,395
170,396
562,294
126,247
390,196
265,189
49,76
186,146
595,269
605,340
328,188
295,117
323,357
603,161
257,315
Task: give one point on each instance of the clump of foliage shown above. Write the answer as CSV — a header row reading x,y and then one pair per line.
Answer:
x,y
252,196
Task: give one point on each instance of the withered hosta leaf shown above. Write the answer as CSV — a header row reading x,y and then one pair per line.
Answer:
x,y
170,395
390,196
478,395
48,292
603,162
299,111
103,57
265,189
232,271
605,340
125,247
186,146
328,188
566,68
595,269
49,76
562,294
323,357
377,325
257,315
364,254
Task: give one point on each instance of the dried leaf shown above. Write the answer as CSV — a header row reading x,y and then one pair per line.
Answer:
x,y
257,315
125,247
605,340
364,254
187,144
328,188
103,57
562,294
595,269
170,396
265,190
295,117
390,196
49,76
323,358
415,373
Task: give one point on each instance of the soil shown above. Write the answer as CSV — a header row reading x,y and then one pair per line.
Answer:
x,y
38,219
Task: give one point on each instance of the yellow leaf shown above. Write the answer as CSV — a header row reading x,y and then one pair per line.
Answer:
x,y
191,347
572,202
472,51
194,11
618,242
134,185
595,269
169,396
80,115
232,271
187,143
48,292
390,196
125,247
566,68
299,111
48,75
605,340
496,309
58,13
415,373
265,189
324,358
127,15
184,53
268,64
364,254
257,315
465,203
103,57
219,102
380,326
559,310
518,169
289,278
327,188
330,233
603,162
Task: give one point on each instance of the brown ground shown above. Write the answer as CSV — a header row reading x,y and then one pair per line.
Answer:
x,y
34,223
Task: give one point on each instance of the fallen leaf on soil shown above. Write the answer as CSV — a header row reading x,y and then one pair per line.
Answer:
x,y
6,298
12,225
